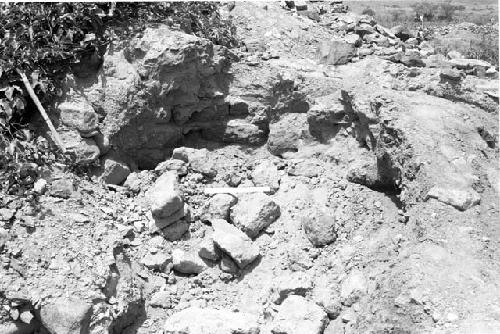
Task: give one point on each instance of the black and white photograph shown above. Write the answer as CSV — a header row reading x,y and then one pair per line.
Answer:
x,y
239,167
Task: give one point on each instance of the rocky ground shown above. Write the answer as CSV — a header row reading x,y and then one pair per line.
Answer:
x,y
380,155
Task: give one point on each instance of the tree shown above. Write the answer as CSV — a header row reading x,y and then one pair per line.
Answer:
x,y
368,11
424,9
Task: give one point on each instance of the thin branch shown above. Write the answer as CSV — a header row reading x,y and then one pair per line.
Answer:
x,y
46,118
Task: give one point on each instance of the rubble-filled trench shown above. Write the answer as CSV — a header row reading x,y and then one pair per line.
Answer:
x,y
378,217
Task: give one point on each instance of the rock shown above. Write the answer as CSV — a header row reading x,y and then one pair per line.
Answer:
x,y
412,58
66,316
295,283
320,229
306,168
197,159
62,188
286,134
334,327
156,224
402,33
349,315
353,287
7,214
297,315
11,327
40,186
325,116
335,52
187,263
77,113
211,321
137,182
364,29
207,249
157,261
465,64
234,243
115,172
455,55
450,74
162,299
102,143
412,42
266,174
460,199
4,236
175,231
218,207
300,5
241,132
363,52
366,172
228,266
254,213
353,39
177,165
165,198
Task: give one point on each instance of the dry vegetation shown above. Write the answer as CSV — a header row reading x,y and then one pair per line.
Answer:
x,y
480,43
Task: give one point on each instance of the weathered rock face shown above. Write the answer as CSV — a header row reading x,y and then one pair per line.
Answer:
x,y
146,92
166,84
286,134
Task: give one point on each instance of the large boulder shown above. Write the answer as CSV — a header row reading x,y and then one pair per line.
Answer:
x,y
165,197
218,207
286,134
66,316
188,262
462,199
326,116
84,150
115,171
242,132
254,213
195,320
234,243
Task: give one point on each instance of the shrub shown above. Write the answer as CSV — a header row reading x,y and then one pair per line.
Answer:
x,y
368,11
425,9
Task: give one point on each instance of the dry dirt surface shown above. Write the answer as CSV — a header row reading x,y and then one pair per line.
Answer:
x,y
380,158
